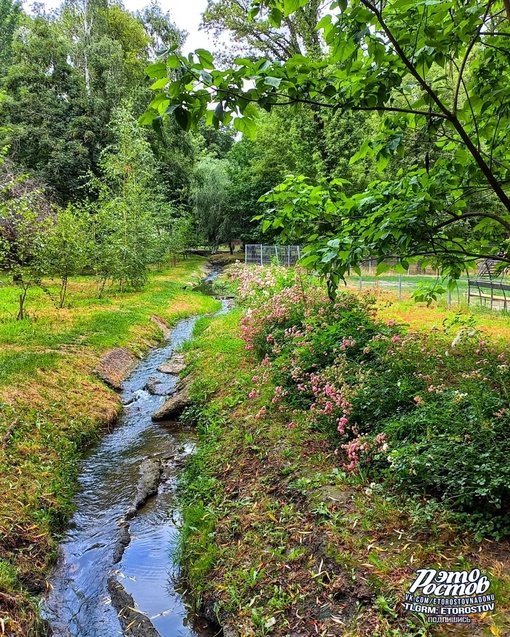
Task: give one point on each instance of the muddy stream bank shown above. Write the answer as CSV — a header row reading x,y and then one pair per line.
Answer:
x,y
115,570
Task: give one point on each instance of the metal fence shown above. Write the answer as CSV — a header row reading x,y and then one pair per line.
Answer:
x,y
259,254
370,267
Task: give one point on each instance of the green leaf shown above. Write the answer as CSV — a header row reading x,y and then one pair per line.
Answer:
x,y
290,6
361,154
383,159
174,62
183,117
245,126
160,83
382,268
206,77
147,118
206,58
308,260
156,70
273,81
219,112
275,17
157,125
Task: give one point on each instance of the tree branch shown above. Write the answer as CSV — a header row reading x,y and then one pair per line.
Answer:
x,y
304,100
466,57
506,4
451,117
468,215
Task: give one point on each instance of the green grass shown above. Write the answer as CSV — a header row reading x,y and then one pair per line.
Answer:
x,y
25,363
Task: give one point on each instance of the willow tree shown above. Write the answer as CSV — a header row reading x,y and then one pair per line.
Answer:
x,y
210,203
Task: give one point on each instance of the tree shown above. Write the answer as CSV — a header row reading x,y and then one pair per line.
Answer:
x,y
68,72
160,28
132,218
67,247
40,108
181,235
295,34
437,72
24,222
10,13
210,199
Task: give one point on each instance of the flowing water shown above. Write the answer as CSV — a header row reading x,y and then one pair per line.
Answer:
x,y
79,603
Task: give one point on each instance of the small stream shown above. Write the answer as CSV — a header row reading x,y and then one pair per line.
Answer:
x,y
79,604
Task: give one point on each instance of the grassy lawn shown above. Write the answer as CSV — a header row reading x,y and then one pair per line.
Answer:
x,y
495,323
409,283
52,406
277,540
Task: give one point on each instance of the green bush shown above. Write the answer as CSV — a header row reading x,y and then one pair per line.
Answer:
x,y
426,413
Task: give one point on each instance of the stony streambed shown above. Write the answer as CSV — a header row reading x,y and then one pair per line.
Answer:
x,y
115,568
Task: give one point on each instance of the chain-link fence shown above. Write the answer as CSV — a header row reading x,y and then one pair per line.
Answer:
x,y
258,254
413,279
416,269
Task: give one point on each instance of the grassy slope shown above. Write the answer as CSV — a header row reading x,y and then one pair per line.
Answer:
x,y
278,541
52,406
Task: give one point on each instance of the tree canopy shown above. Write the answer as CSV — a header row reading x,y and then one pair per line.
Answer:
x,y
437,74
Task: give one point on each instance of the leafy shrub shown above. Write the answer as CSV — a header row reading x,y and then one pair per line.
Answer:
x,y
428,413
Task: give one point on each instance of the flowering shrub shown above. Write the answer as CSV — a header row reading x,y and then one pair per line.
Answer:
x,y
427,412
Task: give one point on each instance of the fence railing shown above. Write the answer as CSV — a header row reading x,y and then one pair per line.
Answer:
x,y
406,283
258,254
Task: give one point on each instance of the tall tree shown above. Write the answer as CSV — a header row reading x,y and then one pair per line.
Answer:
x,y
40,108
10,13
210,199
132,219
69,71
160,28
295,34
25,219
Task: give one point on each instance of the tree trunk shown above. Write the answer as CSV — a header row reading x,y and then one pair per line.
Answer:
x,y
63,290
21,307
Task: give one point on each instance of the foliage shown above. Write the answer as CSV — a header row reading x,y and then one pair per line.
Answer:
x,y
23,238
160,28
430,85
210,202
132,219
426,413
68,246
52,406
67,73
295,35
181,235
10,13
262,489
